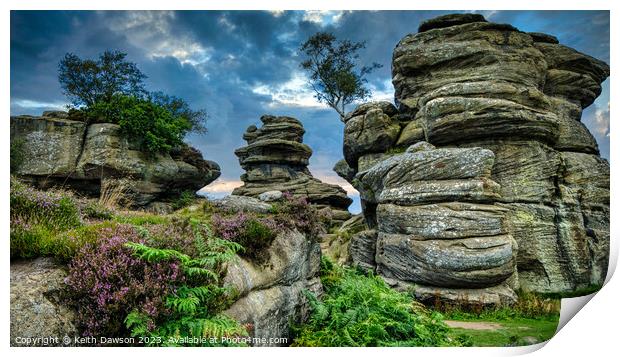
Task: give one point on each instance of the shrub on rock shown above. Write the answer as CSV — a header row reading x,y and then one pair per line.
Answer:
x,y
253,233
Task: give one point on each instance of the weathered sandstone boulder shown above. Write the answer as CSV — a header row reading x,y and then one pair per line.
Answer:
x,y
58,151
233,203
276,159
38,318
482,164
436,224
271,295
337,244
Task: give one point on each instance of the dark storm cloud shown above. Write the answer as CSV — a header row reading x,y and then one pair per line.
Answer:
x,y
242,64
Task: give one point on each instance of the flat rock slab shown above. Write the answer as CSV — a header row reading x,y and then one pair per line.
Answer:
x,y
474,325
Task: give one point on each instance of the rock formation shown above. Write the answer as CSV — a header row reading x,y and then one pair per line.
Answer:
x,y
336,245
58,151
276,159
272,296
484,164
37,316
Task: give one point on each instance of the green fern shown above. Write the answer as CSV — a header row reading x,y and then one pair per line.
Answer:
x,y
189,300
153,255
193,307
361,310
137,323
192,268
216,330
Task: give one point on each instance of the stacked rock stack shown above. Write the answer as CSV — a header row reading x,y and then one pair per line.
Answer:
x,y
482,88
276,159
437,226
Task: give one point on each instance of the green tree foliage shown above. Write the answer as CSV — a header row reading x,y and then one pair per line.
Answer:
x,y
179,108
87,81
332,69
110,90
155,127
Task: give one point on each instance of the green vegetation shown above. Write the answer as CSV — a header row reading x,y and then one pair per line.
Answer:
x,y
88,81
96,210
153,126
36,218
65,245
297,213
361,310
591,289
54,209
110,90
513,332
529,305
395,150
194,305
142,274
534,318
185,199
17,154
254,234
141,218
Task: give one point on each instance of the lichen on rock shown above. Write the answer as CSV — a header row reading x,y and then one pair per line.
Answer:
x,y
71,153
490,165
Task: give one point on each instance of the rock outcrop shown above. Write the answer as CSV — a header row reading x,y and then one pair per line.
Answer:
x,y
38,317
482,165
336,245
272,295
276,159
58,151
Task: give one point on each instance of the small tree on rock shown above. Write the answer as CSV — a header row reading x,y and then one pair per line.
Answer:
x,y
332,69
110,90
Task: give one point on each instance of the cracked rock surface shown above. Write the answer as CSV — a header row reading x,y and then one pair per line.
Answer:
x,y
86,158
481,178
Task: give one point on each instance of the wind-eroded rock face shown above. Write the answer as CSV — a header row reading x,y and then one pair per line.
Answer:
x,y
276,159
65,152
482,165
272,296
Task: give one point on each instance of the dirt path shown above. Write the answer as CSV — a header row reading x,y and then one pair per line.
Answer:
x,y
477,325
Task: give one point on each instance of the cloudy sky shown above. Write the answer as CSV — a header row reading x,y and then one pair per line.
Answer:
x,y
239,65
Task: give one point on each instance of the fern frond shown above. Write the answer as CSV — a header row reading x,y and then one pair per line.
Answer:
x,y
153,255
195,272
137,323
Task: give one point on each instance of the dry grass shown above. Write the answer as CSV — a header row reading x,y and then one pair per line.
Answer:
x,y
528,305
113,192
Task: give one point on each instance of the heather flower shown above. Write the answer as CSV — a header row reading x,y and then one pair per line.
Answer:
x,y
54,208
254,233
297,213
106,282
